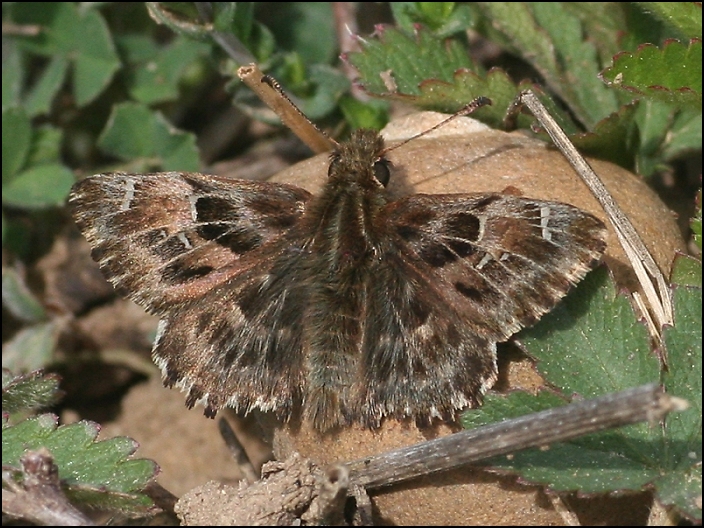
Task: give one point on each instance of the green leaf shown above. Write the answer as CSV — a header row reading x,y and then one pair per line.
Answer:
x,y
603,24
614,138
685,16
40,96
578,64
581,341
39,187
80,36
99,472
408,59
13,74
696,223
666,134
46,145
682,453
136,134
432,74
594,464
684,136
16,140
372,114
305,28
329,85
32,347
551,38
443,18
591,344
18,299
29,391
672,74
154,71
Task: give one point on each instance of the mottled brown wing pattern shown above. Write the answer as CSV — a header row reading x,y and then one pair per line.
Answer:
x,y
462,272
501,261
421,357
202,252
166,238
241,344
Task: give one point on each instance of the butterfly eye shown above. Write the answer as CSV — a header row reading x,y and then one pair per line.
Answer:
x,y
381,172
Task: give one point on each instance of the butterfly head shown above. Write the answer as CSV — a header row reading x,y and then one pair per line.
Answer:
x,y
361,160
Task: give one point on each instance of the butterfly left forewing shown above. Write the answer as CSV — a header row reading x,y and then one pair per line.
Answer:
x,y
214,258
165,238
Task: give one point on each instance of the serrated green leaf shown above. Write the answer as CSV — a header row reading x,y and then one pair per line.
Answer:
x,y
448,83
98,471
685,16
682,453
134,132
614,138
16,141
672,74
39,187
32,347
409,60
551,38
591,344
28,391
19,300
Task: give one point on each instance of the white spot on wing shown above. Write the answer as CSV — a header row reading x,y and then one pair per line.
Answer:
x,y
484,261
128,196
544,219
192,199
184,240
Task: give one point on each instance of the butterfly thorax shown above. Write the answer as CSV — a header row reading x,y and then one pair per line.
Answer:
x,y
342,217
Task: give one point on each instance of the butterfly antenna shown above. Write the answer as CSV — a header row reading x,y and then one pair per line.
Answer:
x,y
464,111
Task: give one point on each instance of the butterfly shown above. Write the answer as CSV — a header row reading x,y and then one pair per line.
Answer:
x,y
341,307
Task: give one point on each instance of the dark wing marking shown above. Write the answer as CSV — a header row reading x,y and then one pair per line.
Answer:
x,y
240,345
168,237
501,261
460,273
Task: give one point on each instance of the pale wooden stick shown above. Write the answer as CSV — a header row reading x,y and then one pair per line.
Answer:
x,y
649,274
645,403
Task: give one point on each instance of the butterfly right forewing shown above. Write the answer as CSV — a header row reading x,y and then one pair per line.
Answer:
x,y
502,260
